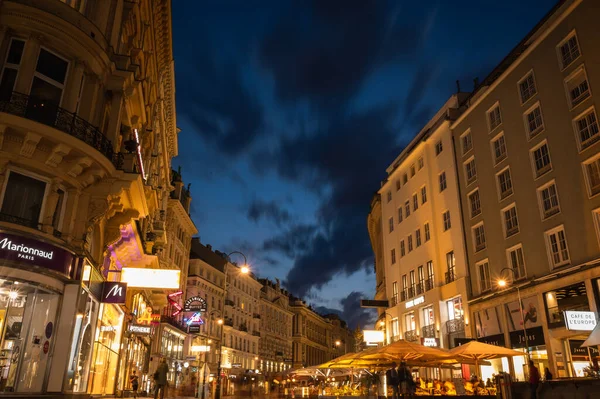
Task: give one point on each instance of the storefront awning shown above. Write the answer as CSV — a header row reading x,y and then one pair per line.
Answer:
x,y
594,338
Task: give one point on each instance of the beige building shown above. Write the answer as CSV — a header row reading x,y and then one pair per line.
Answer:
x,y
426,277
529,174
87,133
375,228
275,346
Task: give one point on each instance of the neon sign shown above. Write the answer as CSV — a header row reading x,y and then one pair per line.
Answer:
x,y
195,319
139,153
172,302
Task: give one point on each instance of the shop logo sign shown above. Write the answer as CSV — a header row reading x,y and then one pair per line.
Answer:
x,y
25,252
140,329
414,302
113,292
195,304
580,321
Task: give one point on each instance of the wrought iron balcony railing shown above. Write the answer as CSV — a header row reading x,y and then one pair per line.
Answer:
x,y
428,331
450,276
429,284
455,326
411,335
42,111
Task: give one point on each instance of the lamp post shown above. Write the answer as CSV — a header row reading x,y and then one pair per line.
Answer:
x,y
503,283
244,270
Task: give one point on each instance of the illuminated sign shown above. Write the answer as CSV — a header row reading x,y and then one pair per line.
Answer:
x,y
140,329
200,348
113,292
580,321
195,304
195,319
414,302
372,337
150,278
139,153
155,318
175,304
431,342
27,251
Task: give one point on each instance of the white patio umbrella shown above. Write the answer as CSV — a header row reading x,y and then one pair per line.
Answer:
x,y
594,338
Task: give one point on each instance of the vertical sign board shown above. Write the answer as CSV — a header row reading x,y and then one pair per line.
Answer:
x,y
113,292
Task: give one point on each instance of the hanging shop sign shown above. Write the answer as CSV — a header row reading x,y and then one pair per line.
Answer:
x,y
580,321
113,292
194,329
431,342
413,302
172,299
497,339
140,329
577,350
195,304
372,337
27,251
535,337
136,277
155,318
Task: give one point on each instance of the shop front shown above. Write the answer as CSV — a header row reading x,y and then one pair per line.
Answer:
x,y
489,330
170,347
32,277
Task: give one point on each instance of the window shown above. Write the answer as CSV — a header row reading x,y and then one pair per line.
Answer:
x,y
430,274
592,172
405,178
407,208
23,198
402,249
511,222
395,327
499,148
420,163
418,237
534,123
466,141
479,237
415,202
568,50
412,170
427,233
423,195
586,129
412,282
393,256
410,243
505,183
421,277
438,148
49,79
516,261
475,203
442,178
11,68
557,246
451,267
455,308
391,222
389,196
548,197
527,87
428,318
397,185
446,218
541,160
404,284
577,87
395,292
409,321
400,215
470,171
485,282
494,117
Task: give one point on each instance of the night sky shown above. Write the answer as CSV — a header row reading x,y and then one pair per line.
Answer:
x,y
290,112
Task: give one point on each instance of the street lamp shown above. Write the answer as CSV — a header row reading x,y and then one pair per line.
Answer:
x,y
503,283
244,269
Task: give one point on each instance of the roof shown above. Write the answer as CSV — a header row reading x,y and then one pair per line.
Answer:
x,y
205,253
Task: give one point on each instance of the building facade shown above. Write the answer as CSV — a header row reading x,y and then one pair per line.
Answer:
x,y
528,161
275,345
426,277
87,123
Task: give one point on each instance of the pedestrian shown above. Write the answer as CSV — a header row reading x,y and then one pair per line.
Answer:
x,y
547,374
160,379
534,379
405,378
134,383
392,380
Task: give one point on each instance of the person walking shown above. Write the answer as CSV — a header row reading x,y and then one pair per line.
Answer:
x,y
160,379
135,383
547,374
405,378
534,379
392,380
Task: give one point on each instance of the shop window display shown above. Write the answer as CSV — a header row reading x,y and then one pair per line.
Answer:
x,y
573,297
106,350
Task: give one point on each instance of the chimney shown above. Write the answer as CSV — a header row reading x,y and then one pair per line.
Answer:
x,y
209,247
475,83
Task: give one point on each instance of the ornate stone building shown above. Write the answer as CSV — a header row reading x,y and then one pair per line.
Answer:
x,y
87,134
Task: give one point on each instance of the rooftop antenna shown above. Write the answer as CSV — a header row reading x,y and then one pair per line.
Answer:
x,y
457,86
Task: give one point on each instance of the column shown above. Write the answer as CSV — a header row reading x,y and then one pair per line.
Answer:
x,y
89,97
73,86
28,64
62,343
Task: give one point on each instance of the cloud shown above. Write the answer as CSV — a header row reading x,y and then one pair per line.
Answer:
x,y
267,210
292,241
351,312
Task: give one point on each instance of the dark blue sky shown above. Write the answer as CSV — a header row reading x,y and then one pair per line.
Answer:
x,y
291,110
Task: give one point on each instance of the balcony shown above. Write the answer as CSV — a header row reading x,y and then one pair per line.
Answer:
x,y
49,114
429,284
174,322
450,276
411,292
4,217
394,301
256,333
243,328
403,295
428,331
229,322
256,316
420,288
455,326
411,336
229,302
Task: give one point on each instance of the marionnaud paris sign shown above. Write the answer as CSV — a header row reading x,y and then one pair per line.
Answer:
x,y
580,321
27,251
